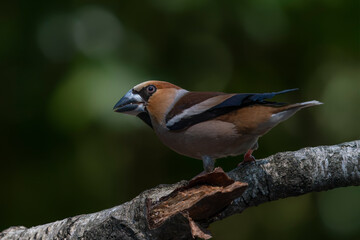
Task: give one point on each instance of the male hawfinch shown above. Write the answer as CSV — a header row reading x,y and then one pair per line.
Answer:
x,y
207,125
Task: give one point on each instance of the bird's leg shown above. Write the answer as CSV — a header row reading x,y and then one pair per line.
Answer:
x,y
208,164
248,157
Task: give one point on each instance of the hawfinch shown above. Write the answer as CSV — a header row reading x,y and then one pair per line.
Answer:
x,y
207,125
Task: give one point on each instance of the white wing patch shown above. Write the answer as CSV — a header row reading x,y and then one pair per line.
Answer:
x,y
179,94
311,103
196,109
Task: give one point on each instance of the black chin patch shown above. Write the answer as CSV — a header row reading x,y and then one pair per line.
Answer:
x,y
145,117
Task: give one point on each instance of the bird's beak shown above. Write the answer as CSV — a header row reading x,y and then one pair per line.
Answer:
x,y
132,103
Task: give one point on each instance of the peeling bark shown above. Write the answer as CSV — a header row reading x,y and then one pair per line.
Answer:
x,y
279,176
203,197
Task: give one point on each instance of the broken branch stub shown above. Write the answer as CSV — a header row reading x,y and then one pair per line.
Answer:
x,y
202,198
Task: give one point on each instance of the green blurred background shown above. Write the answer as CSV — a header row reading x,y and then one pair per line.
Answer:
x,y
64,64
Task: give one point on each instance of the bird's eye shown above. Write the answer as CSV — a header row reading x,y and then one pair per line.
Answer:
x,y
151,89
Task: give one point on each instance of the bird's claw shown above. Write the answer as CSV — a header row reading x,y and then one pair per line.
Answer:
x,y
248,157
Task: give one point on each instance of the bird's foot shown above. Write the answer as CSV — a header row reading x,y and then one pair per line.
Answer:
x,y
208,164
248,157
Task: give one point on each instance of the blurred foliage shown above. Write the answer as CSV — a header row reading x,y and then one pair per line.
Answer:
x,y
64,64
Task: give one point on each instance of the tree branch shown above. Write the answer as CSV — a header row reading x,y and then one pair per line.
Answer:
x,y
282,175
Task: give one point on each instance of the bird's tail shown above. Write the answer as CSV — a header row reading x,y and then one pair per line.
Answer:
x,y
284,112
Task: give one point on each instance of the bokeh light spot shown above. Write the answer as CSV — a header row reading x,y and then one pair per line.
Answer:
x,y
54,38
89,93
97,32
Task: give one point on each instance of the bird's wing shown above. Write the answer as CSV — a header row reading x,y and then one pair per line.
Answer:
x,y
196,107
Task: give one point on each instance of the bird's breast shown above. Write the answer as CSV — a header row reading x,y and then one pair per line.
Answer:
x,y
212,138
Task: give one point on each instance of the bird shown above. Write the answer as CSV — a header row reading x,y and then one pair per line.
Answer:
x,y
207,125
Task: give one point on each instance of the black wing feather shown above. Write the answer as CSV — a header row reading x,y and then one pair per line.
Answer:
x,y
237,101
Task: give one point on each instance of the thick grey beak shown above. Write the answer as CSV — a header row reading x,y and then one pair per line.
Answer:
x,y
131,103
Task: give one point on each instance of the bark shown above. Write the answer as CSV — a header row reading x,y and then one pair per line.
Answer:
x,y
184,209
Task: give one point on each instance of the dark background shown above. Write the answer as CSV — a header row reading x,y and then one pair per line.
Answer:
x,y
64,64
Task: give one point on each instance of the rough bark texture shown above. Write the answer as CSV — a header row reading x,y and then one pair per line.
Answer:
x,y
279,176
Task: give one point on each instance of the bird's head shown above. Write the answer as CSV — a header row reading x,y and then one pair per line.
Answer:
x,y
151,97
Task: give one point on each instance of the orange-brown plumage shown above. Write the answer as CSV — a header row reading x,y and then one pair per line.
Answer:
x,y
206,125
158,84
248,120
158,104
